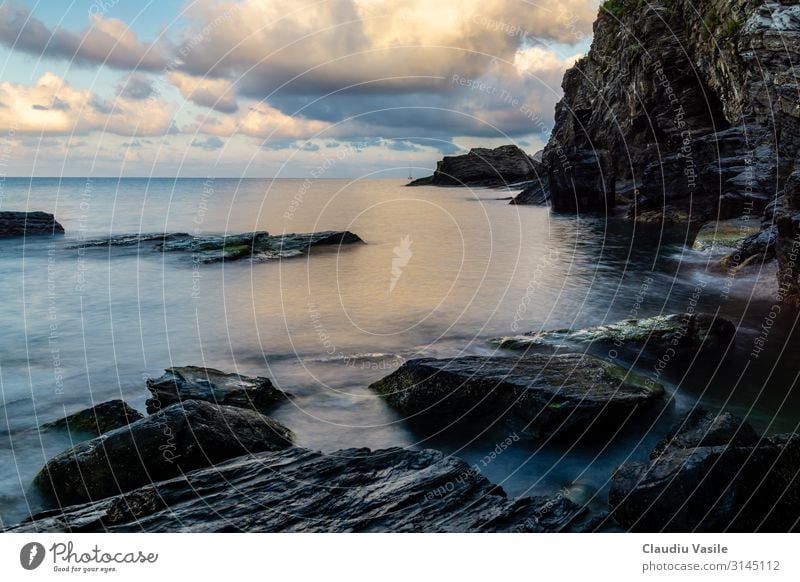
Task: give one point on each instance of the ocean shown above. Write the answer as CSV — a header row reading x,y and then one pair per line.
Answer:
x,y
443,271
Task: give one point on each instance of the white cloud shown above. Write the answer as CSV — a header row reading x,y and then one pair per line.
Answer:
x,y
52,106
215,94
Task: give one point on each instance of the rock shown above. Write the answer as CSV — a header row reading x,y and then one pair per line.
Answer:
x,y
256,246
99,419
483,167
711,474
297,490
705,127
536,396
725,234
180,438
28,224
537,194
683,334
196,383
756,248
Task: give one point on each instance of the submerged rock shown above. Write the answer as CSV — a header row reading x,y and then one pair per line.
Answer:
x,y
99,419
713,473
180,438
536,396
353,490
28,224
257,246
683,334
483,167
196,383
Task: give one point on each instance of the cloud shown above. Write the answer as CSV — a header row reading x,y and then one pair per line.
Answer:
x,y
53,107
103,41
259,120
215,94
209,144
136,86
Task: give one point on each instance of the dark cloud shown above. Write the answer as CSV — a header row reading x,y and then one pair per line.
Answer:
x,y
136,86
104,41
211,143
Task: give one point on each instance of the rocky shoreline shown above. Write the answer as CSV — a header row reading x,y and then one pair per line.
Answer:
x,y
209,444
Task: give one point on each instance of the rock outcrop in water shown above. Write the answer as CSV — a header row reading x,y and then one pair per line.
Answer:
x,y
536,396
713,473
354,490
179,384
99,419
256,246
180,438
685,110
28,224
680,334
483,167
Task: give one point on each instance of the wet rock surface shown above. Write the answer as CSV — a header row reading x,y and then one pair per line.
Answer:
x,y
179,384
98,419
537,396
180,438
483,167
255,246
28,224
712,473
297,490
682,334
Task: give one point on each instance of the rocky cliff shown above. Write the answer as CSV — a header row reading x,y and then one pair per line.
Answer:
x,y
685,110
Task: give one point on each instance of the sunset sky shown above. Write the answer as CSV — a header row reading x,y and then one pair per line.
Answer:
x,y
276,87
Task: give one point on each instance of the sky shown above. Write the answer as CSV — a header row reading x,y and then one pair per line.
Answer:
x,y
277,88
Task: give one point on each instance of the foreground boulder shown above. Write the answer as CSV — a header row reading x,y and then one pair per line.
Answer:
x,y
99,419
713,473
28,223
483,167
684,334
536,396
354,490
256,246
180,438
195,383
725,235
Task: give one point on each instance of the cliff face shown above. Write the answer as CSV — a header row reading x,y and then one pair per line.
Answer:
x,y
684,110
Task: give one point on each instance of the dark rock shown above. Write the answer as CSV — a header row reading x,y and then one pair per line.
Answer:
x,y
196,383
99,419
581,180
684,334
256,246
354,490
711,474
756,248
483,167
28,224
180,438
536,396
705,126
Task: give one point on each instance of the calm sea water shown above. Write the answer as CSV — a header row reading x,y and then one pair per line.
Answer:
x,y
83,327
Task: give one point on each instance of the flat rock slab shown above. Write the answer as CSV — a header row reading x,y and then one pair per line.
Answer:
x,y
297,490
98,419
712,473
180,438
537,396
683,334
724,235
28,223
196,383
255,246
